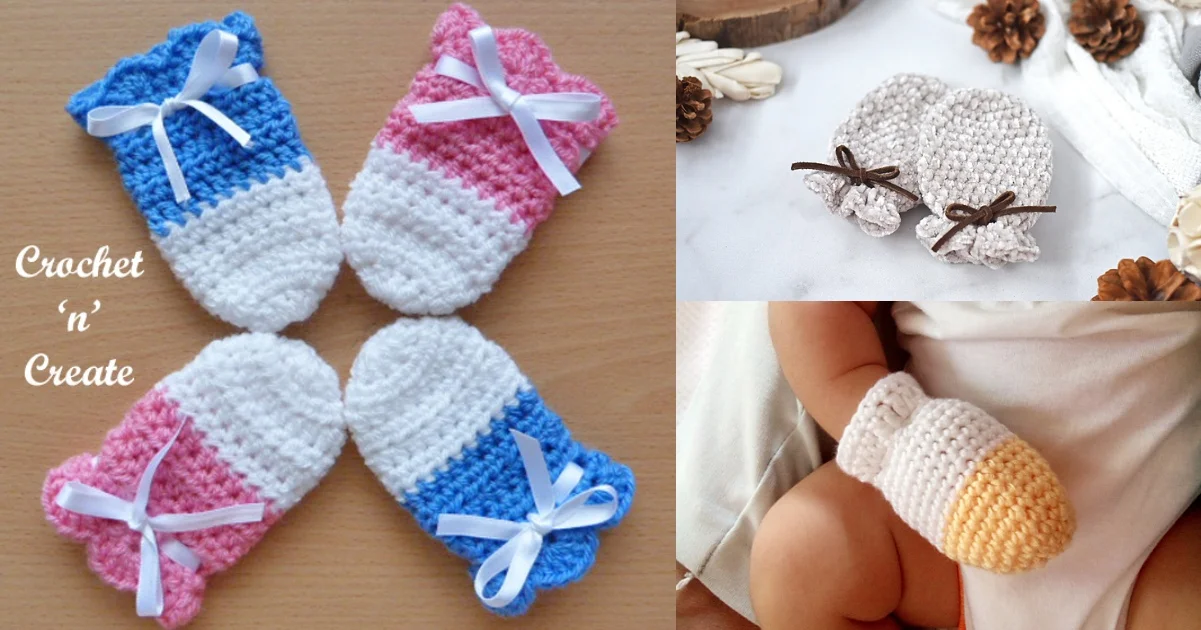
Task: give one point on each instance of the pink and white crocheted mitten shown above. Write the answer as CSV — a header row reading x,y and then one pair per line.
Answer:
x,y
200,468
441,206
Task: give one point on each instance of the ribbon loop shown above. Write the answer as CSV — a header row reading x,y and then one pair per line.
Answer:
x,y
523,541
210,69
849,167
88,501
502,100
964,215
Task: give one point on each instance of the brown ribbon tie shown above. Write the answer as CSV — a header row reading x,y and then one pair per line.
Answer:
x,y
965,215
849,168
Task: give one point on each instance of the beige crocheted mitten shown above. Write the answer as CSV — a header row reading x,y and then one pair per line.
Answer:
x,y
874,153
984,157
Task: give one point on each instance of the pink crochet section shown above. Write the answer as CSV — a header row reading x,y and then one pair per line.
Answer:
x,y
191,478
489,155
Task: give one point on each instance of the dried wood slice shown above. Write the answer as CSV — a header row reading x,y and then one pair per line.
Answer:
x,y
746,23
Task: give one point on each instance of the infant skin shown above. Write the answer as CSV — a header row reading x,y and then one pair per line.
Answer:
x,y
1107,394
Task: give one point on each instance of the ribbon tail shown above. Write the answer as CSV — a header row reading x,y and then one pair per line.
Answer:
x,y
567,481
448,66
451,111
564,106
170,162
240,135
84,499
150,584
180,553
111,120
544,154
577,512
536,471
476,527
238,76
211,61
515,559
229,515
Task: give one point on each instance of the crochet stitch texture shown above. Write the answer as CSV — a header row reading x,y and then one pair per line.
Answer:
x,y
440,209
257,245
975,145
977,492
882,130
264,424
430,403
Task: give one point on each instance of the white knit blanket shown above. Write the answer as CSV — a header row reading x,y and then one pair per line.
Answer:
x,y
1137,121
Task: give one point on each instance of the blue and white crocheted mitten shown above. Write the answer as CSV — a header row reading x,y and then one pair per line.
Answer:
x,y
460,437
211,154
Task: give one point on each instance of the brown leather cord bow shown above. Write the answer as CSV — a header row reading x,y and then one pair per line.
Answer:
x,y
848,167
966,215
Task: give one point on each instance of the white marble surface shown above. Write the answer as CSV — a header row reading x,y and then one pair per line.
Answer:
x,y
748,228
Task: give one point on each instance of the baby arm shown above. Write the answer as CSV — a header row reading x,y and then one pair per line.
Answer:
x,y
949,470
830,354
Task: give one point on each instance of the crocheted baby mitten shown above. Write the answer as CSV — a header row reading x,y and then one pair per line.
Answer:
x,y
464,442
872,175
210,152
442,204
199,469
957,476
985,170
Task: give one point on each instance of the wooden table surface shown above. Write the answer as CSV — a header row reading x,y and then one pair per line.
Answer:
x,y
587,311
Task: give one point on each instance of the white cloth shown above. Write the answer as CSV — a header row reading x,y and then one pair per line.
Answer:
x,y
1108,394
742,441
1137,121
1190,55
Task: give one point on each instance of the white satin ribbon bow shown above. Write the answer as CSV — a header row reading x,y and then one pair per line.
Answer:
x,y
84,499
210,68
526,109
524,539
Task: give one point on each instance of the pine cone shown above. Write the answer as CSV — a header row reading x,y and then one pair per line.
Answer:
x,y
1145,281
1108,29
693,113
1007,29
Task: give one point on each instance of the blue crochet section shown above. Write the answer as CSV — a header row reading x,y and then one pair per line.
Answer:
x,y
214,166
490,481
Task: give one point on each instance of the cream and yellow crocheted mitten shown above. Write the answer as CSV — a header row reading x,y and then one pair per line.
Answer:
x,y
977,492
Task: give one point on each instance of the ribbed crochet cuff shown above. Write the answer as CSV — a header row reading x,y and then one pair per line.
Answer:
x,y
886,409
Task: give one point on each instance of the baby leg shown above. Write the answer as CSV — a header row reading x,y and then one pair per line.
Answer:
x,y
831,554
1165,594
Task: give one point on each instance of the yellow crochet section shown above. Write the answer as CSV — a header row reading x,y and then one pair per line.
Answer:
x,y
1012,515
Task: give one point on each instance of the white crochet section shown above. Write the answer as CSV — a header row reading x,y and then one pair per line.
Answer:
x,y
422,390
933,458
264,257
421,242
270,407
919,452
882,130
884,410
974,146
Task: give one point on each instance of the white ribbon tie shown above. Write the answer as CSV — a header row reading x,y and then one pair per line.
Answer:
x,y
84,499
210,68
523,540
525,109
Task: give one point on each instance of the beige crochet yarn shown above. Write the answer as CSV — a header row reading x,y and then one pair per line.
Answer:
x,y
974,146
881,131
